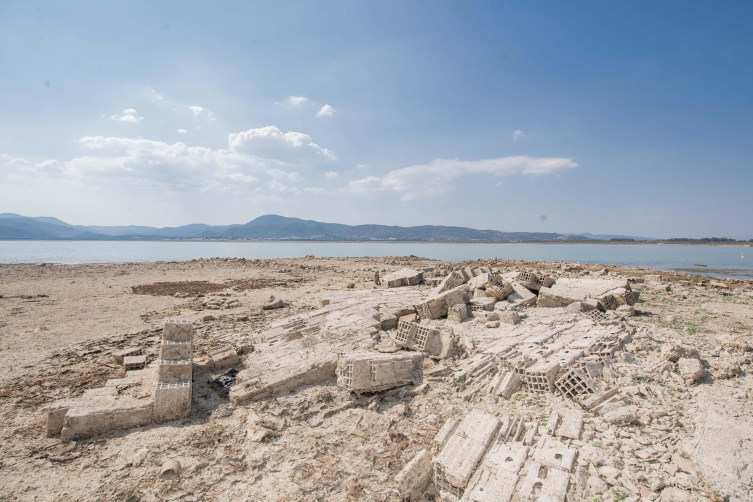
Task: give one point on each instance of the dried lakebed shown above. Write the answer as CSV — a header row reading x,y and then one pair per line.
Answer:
x,y
546,364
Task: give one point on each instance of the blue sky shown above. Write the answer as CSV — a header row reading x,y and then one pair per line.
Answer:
x,y
626,118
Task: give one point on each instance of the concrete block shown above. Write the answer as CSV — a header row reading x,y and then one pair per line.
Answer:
x,y
446,431
529,280
479,281
56,415
572,424
281,374
521,296
458,313
438,306
402,277
177,329
104,411
117,357
483,303
182,349
133,363
174,370
223,358
509,317
172,401
555,453
597,399
539,378
413,479
511,384
548,298
362,372
543,483
575,383
457,461
498,475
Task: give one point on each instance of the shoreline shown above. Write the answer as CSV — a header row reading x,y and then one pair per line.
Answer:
x,y
302,241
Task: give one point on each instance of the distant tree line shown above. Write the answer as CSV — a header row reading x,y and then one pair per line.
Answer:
x,y
705,240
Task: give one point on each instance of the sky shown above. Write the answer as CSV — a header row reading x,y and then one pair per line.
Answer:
x,y
631,118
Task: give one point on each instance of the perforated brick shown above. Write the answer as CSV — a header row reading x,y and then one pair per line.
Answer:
x,y
405,333
575,383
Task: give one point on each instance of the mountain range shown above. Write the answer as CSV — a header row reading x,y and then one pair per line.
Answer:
x,y
271,227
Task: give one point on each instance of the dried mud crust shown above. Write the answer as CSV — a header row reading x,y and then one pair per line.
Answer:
x,y
192,288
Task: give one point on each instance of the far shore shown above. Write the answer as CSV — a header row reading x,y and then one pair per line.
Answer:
x,y
265,241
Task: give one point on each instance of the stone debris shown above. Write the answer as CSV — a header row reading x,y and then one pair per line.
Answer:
x,y
457,461
402,277
493,384
364,372
158,393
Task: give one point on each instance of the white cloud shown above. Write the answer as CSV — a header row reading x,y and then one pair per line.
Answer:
x,y
271,143
180,167
199,110
129,115
424,181
182,131
517,134
331,174
296,100
325,111
362,166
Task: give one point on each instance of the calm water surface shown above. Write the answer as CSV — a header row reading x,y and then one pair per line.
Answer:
x,y
726,261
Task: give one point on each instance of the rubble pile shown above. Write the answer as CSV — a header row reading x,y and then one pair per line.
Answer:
x,y
525,385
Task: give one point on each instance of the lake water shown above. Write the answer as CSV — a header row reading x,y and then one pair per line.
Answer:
x,y
723,261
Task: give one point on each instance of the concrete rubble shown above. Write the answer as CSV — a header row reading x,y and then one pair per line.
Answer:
x,y
555,390
158,393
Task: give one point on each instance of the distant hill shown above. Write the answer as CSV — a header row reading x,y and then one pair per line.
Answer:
x,y
609,237
267,227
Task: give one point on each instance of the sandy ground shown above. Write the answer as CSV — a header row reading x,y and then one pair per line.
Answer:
x,y
59,325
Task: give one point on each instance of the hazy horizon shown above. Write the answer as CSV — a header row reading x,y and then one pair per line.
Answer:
x,y
571,118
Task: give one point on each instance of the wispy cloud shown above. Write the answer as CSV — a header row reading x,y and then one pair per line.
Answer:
x,y
200,110
425,181
331,174
182,131
517,134
296,100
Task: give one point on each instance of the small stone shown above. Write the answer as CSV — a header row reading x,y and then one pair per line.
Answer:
x,y
691,369
275,304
